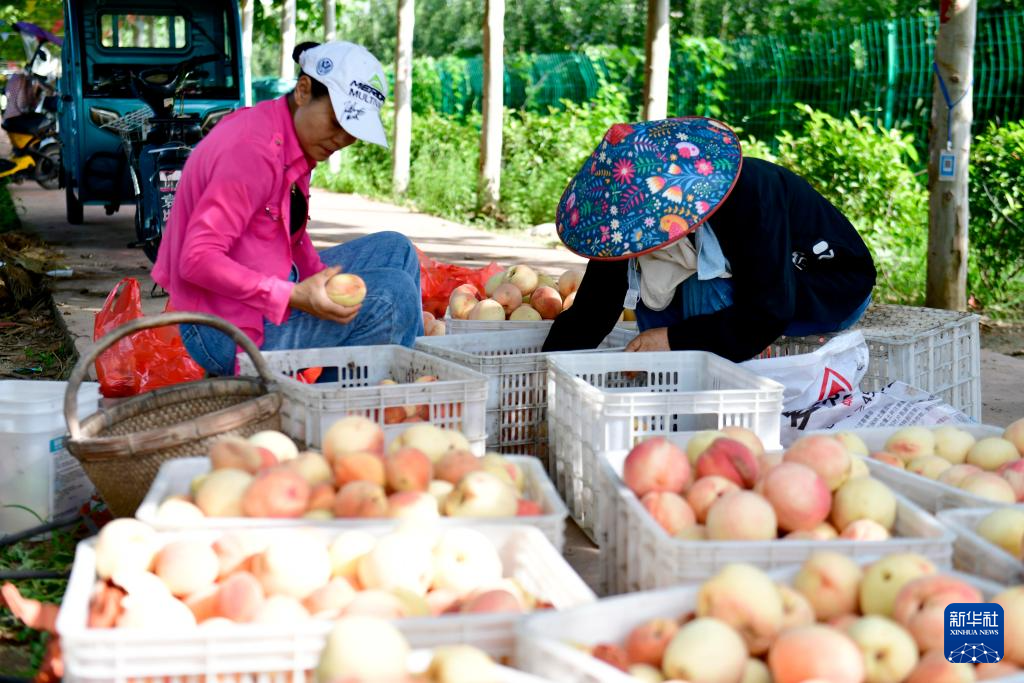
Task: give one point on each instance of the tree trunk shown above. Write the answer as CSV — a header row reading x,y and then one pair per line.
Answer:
x,y
403,96
329,21
287,39
489,189
247,7
948,198
659,51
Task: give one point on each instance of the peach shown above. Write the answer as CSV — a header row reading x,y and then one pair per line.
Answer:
x,y
910,442
698,443
694,532
645,673
346,289
528,508
824,455
408,469
239,597
363,649
989,485
462,300
952,444
235,549
646,644
235,452
1012,601
731,459
830,582
853,443
279,492
433,441
569,281
178,512
465,559
461,664
547,302
313,467
821,532
294,565
745,598
863,498
800,497
523,277
741,516
482,494
669,510
280,445
756,672
361,499
796,609
428,320
346,550
455,465
920,607
203,603
746,437
492,602
493,282
364,466
996,671
438,329
321,515
612,655
930,466
858,468
321,497
487,309
418,505
1005,528
705,650
155,613
889,652
439,490
1013,473
889,459
884,579
398,560
815,652
353,434
992,452
221,493
186,566
509,296
955,475
705,492
525,312
331,599
865,530
1015,435
933,668
656,465
495,462
440,601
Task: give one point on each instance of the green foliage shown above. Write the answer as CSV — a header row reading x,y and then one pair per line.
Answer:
x,y
9,219
699,71
997,218
866,172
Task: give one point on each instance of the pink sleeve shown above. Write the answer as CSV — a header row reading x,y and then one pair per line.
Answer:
x,y
306,256
240,184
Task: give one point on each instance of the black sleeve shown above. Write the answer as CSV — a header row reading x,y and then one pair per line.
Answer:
x,y
753,229
595,310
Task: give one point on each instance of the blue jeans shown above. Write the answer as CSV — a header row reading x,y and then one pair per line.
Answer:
x,y
700,297
391,312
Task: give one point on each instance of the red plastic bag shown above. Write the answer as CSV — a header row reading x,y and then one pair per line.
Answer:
x,y
146,360
437,280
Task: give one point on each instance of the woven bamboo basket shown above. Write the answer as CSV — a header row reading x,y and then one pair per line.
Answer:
x,y
122,447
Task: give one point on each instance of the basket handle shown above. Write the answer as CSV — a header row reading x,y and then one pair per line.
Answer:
x,y
81,369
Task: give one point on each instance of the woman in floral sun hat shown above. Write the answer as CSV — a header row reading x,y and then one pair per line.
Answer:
x,y
715,252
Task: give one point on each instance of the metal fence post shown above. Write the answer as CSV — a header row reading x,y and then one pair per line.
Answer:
x,y
893,68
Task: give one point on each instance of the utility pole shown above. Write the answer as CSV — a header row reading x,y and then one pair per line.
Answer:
x,y
659,52
403,97
489,189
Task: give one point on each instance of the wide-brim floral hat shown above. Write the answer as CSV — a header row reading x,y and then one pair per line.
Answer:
x,y
647,185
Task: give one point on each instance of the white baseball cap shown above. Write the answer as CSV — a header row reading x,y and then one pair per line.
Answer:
x,y
356,83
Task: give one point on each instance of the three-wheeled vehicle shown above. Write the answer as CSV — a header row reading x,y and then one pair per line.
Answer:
x,y
142,82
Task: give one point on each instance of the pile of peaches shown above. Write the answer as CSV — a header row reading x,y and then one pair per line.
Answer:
x,y
724,487
992,467
145,581
835,621
519,293
425,472
1004,527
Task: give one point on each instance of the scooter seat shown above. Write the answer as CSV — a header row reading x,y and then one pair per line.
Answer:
x,y
31,123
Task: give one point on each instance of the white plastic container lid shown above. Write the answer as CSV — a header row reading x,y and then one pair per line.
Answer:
x,y
38,405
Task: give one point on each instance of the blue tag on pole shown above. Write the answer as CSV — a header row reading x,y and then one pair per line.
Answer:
x,y
947,166
974,633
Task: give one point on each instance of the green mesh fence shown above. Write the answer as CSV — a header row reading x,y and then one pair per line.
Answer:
x,y
881,68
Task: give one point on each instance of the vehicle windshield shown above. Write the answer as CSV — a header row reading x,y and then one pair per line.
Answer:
x,y
126,41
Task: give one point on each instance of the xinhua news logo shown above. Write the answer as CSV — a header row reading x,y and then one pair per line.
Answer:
x,y
974,632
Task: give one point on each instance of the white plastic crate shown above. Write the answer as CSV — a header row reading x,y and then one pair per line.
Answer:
x,y
457,326
287,652
931,349
175,476
545,643
457,400
932,495
516,369
646,557
611,401
977,555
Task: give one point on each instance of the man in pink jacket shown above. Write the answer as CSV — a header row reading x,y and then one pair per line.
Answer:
x,y
236,244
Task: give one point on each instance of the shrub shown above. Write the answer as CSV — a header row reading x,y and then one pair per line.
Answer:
x,y
9,219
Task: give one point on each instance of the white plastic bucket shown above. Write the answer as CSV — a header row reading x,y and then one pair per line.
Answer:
x,y
39,479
